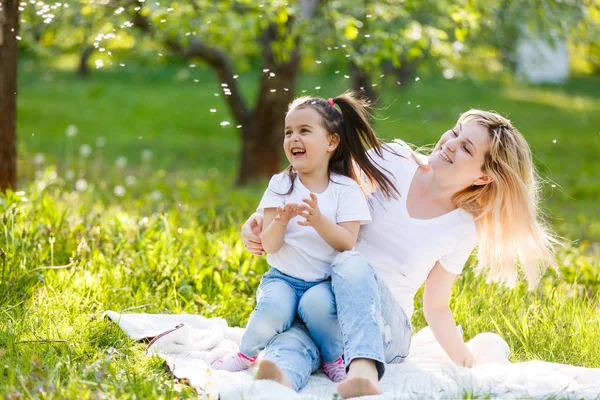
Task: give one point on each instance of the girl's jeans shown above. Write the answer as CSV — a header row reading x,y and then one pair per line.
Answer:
x,y
373,324
278,299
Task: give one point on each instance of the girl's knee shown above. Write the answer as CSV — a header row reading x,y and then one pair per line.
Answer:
x,y
318,304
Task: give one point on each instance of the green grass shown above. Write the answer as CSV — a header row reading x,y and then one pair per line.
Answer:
x,y
169,241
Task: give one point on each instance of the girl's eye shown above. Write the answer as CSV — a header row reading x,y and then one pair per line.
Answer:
x,y
454,133
466,149
288,133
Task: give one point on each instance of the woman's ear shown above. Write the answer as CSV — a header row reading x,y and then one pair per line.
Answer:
x,y
334,142
483,180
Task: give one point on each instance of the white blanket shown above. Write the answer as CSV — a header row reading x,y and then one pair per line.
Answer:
x,y
426,373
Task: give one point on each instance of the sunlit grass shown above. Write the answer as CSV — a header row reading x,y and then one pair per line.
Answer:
x,y
553,99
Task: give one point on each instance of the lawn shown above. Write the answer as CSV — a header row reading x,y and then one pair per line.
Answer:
x,y
127,190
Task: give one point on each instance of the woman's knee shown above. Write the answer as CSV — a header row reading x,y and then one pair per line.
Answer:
x,y
350,265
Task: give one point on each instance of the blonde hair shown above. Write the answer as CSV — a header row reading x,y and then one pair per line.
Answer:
x,y
507,213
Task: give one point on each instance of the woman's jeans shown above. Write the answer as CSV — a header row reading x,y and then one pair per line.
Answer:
x,y
373,325
278,299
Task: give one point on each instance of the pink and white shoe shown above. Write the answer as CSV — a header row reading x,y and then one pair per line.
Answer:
x,y
335,370
234,363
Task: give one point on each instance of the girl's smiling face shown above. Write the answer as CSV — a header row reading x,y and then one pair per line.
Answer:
x,y
307,144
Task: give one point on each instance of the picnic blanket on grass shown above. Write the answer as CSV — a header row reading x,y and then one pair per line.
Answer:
x,y
189,343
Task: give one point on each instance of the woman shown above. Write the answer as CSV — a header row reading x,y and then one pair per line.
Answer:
x,y
478,186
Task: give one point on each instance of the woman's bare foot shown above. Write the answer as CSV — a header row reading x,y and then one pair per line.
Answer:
x,y
362,380
270,371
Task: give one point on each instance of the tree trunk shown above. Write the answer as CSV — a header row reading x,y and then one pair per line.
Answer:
x,y
9,29
361,83
262,141
84,57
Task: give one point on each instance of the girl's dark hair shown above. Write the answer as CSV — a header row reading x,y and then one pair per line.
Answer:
x,y
356,137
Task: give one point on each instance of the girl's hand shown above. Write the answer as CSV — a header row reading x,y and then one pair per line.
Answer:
x,y
285,214
310,210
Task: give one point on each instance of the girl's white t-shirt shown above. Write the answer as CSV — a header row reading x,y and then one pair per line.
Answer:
x,y
305,254
403,250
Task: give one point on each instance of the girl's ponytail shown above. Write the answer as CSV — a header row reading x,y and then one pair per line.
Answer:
x,y
357,136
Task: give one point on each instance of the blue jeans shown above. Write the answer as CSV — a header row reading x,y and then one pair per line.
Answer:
x,y
279,298
373,325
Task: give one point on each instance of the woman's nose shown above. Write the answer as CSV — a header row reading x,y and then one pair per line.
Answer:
x,y
451,145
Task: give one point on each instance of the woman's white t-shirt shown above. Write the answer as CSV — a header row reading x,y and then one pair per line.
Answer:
x,y
305,254
403,250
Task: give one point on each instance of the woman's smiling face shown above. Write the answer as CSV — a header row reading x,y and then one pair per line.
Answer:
x,y
460,153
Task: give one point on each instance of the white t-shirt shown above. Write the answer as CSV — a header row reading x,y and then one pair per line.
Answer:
x,y
403,250
305,254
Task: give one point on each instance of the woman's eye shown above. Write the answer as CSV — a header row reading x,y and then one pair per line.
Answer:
x,y
466,149
454,133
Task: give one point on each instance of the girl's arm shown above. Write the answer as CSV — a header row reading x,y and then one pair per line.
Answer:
x,y
438,287
340,236
275,223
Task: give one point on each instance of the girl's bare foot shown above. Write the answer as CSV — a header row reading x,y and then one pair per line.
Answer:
x,y
362,380
270,371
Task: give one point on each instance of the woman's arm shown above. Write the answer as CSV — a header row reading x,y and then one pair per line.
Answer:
x,y
438,288
251,231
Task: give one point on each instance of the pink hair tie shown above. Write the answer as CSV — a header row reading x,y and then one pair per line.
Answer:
x,y
330,100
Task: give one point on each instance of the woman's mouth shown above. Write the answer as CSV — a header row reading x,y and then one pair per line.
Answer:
x,y
444,157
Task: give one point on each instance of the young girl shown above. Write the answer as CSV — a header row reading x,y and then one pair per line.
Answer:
x,y
312,211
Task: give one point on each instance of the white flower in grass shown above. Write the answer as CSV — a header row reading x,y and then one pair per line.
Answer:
x,y
121,162
85,150
71,130
81,185
156,195
70,175
130,180
147,154
119,191
101,141
39,159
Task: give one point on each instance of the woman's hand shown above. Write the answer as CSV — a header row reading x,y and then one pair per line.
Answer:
x,y
251,231
310,211
469,361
